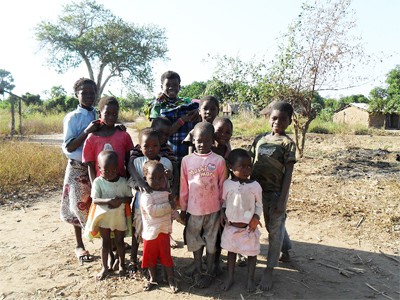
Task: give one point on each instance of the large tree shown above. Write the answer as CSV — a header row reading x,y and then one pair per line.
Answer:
x,y
88,33
6,81
317,51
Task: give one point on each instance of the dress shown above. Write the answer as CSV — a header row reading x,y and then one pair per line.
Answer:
x,y
173,110
103,216
242,201
75,201
120,142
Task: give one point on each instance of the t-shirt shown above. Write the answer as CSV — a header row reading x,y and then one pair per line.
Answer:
x,y
173,110
241,200
120,142
156,214
75,122
270,155
202,178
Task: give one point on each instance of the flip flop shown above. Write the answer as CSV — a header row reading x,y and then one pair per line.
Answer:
x,y
83,255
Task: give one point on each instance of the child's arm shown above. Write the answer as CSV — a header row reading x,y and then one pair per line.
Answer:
x,y
92,171
191,116
152,209
135,181
184,191
112,202
80,139
258,209
287,179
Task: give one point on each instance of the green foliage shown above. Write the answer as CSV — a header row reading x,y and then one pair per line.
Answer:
x,y
31,100
88,33
6,81
387,100
195,90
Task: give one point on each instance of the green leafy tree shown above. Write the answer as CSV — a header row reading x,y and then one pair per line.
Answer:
x,y
387,100
88,33
317,50
32,100
6,81
195,90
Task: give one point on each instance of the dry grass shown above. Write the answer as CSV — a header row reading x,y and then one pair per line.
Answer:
x,y
25,166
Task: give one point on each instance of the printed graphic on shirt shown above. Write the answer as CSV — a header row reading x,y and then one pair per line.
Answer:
x,y
108,147
267,151
204,171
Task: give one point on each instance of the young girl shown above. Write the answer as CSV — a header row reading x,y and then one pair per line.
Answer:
x,y
150,146
76,199
108,137
208,110
109,192
241,211
274,156
156,208
202,175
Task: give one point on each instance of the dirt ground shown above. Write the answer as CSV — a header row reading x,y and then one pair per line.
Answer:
x,y
343,218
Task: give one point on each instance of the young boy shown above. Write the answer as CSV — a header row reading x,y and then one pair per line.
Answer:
x,y
202,176
181,112
156,209
274,155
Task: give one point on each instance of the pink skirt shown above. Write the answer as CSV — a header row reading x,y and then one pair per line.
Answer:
x,y
241,240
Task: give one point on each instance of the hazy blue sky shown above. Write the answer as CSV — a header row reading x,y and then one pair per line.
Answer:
x,y
194,29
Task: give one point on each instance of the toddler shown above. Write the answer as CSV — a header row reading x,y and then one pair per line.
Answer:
x,y
156,208
241,211
110,193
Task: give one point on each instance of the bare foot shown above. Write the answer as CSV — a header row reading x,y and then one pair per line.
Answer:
x,y
266,280
172,243
205,281
285,257
102,275
173,286
121,271
251,286
228,283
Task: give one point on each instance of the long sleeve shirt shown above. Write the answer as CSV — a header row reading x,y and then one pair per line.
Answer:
x,y
202,178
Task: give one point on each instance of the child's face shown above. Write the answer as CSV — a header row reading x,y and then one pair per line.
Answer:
x,y
223,132
171,87
156,179
165,132
86,95
279,121
203,142
109,114
150,146
109,171
208,111
242,168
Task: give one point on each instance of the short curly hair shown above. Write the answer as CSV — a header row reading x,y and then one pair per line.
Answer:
x,y
107,100
170,75
78,85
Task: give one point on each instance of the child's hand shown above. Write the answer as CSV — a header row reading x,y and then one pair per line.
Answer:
x,y
191,116
93,126
168,173
114,203
121,127
139,184
254,222
183,217
280,208
223,219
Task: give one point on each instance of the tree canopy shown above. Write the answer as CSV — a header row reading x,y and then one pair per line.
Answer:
x,y
6,81
88,33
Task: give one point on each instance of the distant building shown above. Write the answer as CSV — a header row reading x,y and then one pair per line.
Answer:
x,y
357,113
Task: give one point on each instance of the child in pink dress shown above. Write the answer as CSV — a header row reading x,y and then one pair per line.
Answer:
x,y
241,211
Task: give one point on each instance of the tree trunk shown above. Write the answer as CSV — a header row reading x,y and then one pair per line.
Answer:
x,y
12,115
20,116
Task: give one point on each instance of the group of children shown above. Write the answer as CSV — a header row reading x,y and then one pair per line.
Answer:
x,y
184,160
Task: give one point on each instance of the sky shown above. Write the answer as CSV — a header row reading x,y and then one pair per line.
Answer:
x,y
194,29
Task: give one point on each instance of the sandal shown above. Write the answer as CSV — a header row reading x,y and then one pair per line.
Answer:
x,y
83,255
149,285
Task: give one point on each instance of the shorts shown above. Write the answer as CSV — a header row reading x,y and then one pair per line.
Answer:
x,y
202,231
157,248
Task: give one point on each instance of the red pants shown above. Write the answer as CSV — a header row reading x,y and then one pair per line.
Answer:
x,y
157,248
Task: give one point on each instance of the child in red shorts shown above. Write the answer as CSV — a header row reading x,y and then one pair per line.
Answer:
x,y
156,208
